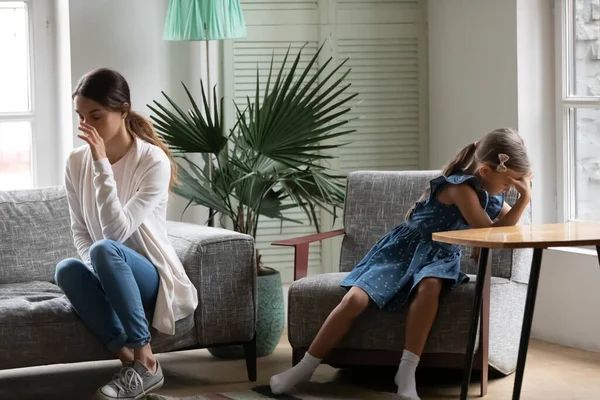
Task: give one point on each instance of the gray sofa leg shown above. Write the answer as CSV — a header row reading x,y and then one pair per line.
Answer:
x,y
250,354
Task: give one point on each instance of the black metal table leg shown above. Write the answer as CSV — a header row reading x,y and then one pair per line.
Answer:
x,y
534,278
598,251
483,261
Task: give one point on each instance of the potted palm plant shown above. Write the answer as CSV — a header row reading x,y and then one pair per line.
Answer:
x,y
269,162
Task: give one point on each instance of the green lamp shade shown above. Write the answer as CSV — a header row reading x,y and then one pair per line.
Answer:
x,y
192,20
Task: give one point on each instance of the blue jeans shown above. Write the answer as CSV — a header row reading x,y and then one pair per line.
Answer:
x,y
112,300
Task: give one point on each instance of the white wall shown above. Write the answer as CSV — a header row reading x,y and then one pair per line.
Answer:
x,y
472,73
567,302
128,36
491,63
45,158
536,100
63,84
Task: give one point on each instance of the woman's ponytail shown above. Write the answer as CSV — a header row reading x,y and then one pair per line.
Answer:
x,y
142,128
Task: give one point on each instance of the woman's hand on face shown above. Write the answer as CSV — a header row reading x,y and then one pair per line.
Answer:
x,y
523,185
91,136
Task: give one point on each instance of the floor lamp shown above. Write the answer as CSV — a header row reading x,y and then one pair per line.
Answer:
x,y
205,20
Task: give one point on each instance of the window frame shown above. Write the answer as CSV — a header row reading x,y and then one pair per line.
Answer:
x,y
42,74
564,55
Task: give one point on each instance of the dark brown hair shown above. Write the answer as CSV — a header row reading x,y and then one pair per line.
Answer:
x,y
487,151
110,89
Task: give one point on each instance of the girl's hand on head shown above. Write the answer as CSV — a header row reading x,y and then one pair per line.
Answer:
x,y
92,138
523,185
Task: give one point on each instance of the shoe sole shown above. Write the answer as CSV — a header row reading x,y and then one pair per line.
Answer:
x,y
156,386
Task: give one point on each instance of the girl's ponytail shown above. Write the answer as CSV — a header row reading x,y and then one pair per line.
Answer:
x,y
460,162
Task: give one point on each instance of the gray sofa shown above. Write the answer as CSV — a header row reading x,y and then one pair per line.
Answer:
x,y
37,323
375,203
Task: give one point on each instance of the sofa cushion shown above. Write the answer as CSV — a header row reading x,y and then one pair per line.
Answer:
x,y
40,327
35,234
311,300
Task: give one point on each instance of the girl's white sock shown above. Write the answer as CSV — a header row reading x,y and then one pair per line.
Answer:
x,y
300,373
405,377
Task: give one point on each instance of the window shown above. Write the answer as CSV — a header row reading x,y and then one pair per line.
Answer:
x,y
27,95
16,111
578,109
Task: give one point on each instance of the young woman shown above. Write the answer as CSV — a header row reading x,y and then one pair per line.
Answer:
x,y
117,188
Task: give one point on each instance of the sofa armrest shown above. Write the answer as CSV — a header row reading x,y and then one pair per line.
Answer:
x,y
221,264
301,247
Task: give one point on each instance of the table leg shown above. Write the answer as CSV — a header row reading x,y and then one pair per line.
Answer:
x,y
483,261
484,331
534,278
598,251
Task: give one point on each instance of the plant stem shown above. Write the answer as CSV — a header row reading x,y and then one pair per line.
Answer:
x,y
225,195
248,221
239,220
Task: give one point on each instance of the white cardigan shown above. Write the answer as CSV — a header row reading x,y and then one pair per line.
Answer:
x,y
134,214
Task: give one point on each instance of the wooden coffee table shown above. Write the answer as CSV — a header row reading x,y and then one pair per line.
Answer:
x,y
537,237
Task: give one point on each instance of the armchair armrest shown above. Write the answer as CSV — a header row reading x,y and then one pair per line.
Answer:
x,y
301,247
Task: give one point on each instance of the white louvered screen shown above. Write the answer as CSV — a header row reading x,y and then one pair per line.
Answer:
x,y
288,13
385,72
377,12
247,55
370,3
266,5
385,41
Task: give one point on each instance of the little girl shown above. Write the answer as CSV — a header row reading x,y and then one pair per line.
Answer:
x,y
468,194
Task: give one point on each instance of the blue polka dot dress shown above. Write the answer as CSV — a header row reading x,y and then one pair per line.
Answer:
x,y
403,257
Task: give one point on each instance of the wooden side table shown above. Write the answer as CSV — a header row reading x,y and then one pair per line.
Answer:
x,y
537,237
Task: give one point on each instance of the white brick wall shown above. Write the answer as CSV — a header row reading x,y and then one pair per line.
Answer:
x,y
587,83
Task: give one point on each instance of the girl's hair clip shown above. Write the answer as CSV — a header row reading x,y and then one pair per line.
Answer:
x,y
502,158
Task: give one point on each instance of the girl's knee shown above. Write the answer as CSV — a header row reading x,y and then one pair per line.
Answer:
x,y
430,286
68,269
355,301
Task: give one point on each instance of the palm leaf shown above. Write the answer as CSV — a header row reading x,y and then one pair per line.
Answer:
x,y
305,119
191,132
199,191
271,160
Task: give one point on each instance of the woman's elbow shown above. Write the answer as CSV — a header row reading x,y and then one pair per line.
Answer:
x,y
114,235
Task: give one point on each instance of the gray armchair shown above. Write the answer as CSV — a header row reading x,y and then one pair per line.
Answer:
x,y
375,203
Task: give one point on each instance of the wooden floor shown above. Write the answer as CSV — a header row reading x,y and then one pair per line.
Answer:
x,y
553,373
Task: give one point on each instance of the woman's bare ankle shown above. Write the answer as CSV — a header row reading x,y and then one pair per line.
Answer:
x,y
145,356
125,355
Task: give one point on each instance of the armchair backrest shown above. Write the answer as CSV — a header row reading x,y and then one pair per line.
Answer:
x,y
376,202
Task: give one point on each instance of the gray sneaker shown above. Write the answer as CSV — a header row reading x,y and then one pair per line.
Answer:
x,y
132,383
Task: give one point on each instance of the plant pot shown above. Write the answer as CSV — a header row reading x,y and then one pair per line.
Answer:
x,y
270,319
